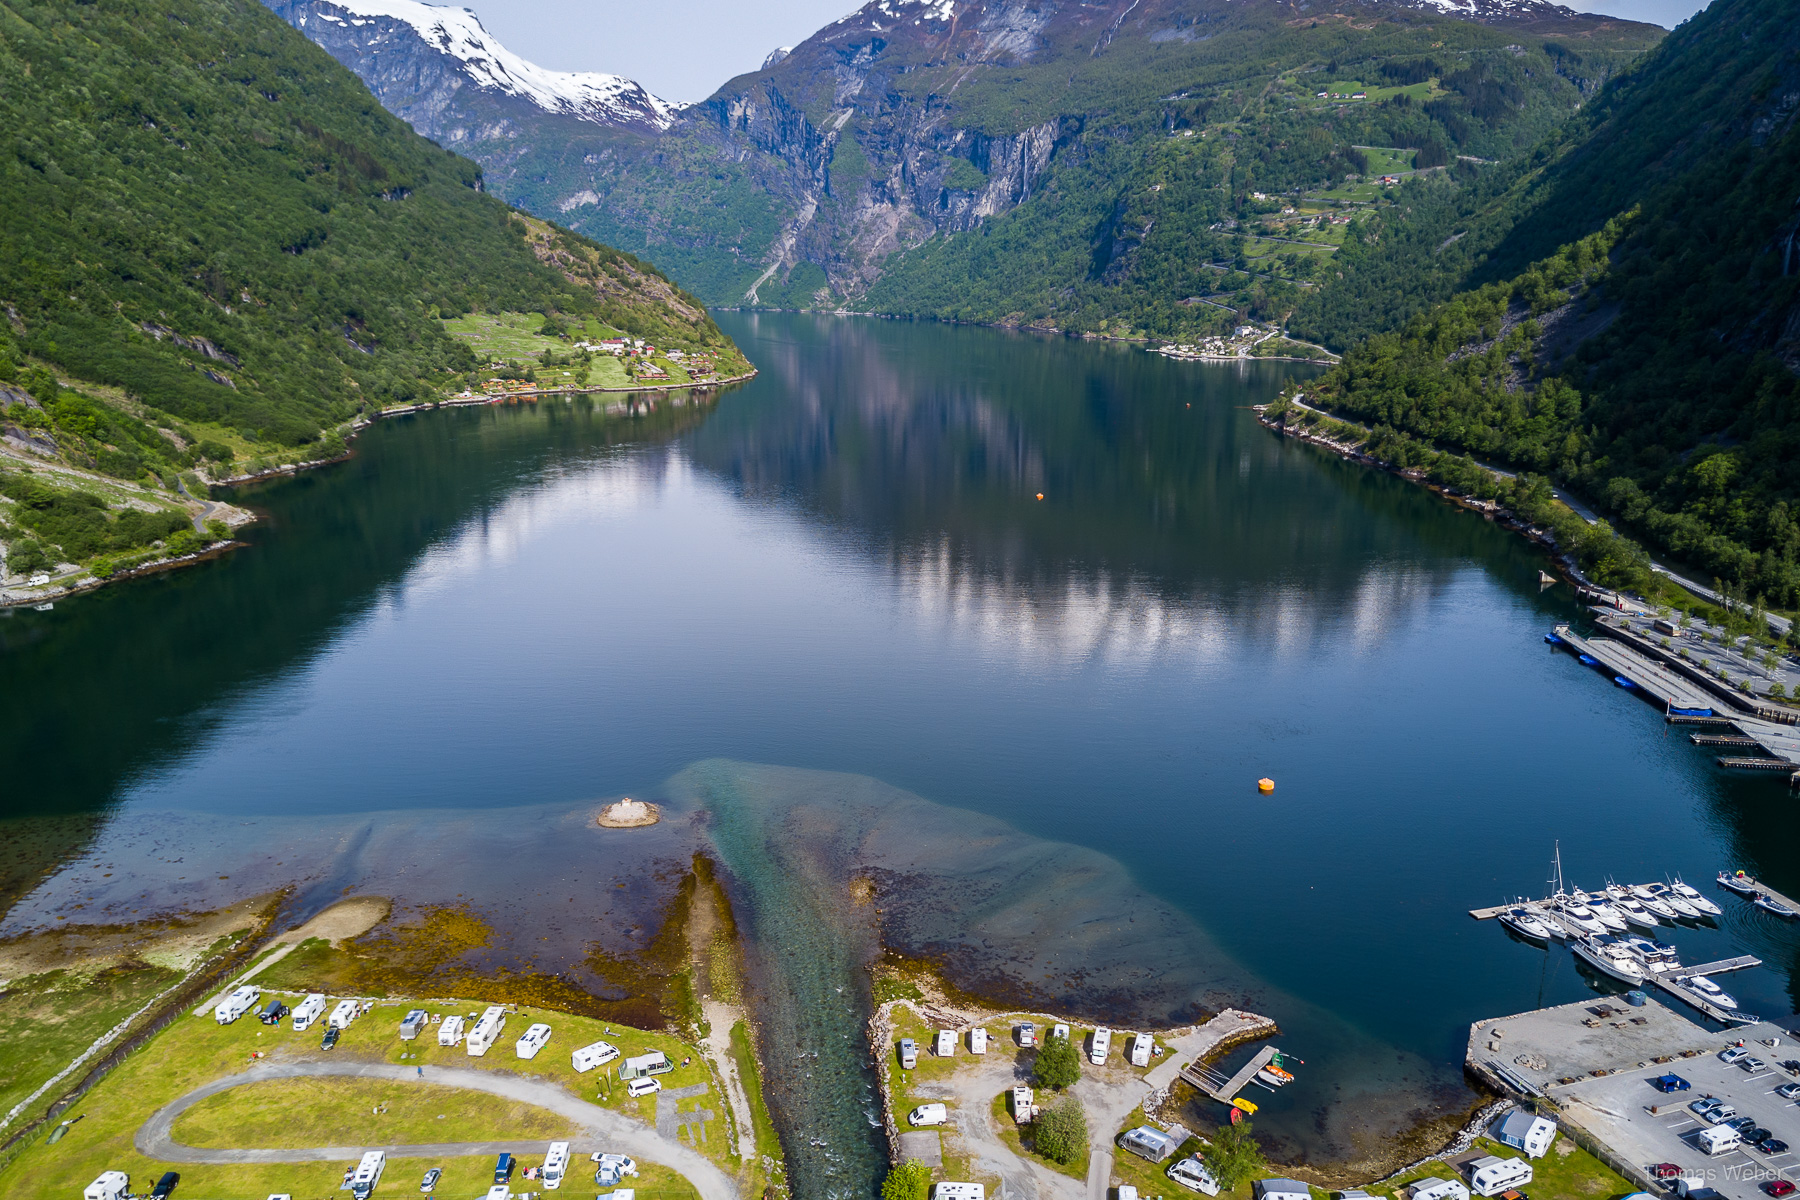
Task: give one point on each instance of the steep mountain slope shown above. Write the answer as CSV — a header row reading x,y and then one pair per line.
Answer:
x,y
213,230
1054,162
1654,364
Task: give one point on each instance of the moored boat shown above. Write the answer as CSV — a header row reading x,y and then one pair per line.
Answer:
x,y
1708,991
1628,906
1699,903
1609,959
1738,882
1526,923
1645,894
1769,903
1580,916
1682,906
1603,912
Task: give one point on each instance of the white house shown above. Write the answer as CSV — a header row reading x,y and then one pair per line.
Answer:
x,y
1490,1176
1523,1131
1433,1188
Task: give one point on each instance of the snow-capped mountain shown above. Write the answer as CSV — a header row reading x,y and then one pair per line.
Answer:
x,y
431,64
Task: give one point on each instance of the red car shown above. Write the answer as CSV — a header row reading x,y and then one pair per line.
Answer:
x,y
1778,1187
1665,1171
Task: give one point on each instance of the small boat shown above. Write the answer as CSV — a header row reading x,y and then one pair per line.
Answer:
x,y
1665,895
1708,991
1621,681
1738,882
1643,894
1609,959
1553,639
1688,892
1273,1077
1603,912
1525,923
1768,903
1588,660
1249,1106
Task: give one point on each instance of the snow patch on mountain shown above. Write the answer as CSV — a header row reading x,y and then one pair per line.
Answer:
x,y
458,32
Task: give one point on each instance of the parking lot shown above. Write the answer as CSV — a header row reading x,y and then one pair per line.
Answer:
x,y
1618,1108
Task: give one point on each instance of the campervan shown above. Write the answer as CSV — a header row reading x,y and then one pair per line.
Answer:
x,y
110,1186
416,1019
1141,1046
450,1032
929,1114
653,1063
486,1031
958,1191
1492,1175
556,1165
1100,1046
1149,1142
909,1053
586,1058
240,1001
1720,1139
342,1014
977,1041
1434,1188
274,1012
532,1040
1193,1174
368,1174
946,1043
308,1011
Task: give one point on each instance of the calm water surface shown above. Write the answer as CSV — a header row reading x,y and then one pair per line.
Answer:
x,y
845,566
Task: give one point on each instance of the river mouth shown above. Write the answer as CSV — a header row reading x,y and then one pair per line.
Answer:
x,y
491,616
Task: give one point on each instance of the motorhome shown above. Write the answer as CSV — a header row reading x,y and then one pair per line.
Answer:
x,y
958,1191
486,1031
240,1001
308,1011
1141,1046
450,1031
946,1043
1024,1105
653,1063
1147,1141
532,1040
110,1186
978,1041
586,1058
1433,1188
556,1165
1100,1046
416,1019
1193,1174
909,1053
368,1174
342,1014
1491,1175
1720,1139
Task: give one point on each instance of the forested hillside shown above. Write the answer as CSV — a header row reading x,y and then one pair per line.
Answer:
x,y
215,233
1651,363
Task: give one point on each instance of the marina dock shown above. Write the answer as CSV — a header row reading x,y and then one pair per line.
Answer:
x,y
1667,687
1214,1083
1770,892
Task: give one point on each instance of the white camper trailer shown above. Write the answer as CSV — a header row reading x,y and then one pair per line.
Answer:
x,y
368,1174
946,1043
556,1165
978,1041
958,1191
308,1011
586,1058
450,1032
1141,1046
241,1001
416,1019
1492,1175
1100,1046
110,1186
486,1031
1433,1188
532,1040
342,1014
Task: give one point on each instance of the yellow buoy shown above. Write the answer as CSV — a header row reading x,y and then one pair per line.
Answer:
x,y
1265,784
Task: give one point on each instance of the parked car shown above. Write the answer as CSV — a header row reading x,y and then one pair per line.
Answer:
x,y
503,1168
431,1179
1755,1135
1719,1114
1738,1123
929,1114
1731,1054
909,1053
332,1034
1789,1091
610,1168
643,1087
1027,1033
1791,1065
1753,1065
165,1186
1778,1187
1670,1083
1772,1146
1704,1105
1665,1171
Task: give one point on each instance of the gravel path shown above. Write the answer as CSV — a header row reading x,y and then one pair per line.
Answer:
x,y
604,1128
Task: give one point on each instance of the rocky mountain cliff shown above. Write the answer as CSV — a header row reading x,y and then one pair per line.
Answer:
x,y
870,165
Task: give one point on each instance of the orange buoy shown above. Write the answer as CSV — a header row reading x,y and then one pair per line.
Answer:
x,y
1040,495
1265,784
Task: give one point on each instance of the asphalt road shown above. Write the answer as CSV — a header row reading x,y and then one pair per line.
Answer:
x,y
606,1130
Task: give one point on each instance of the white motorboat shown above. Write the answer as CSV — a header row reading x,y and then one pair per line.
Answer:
x,y
1580,916
1628,905
1708,991
1603,912
1769,903
1659,957
1686,891
1526,923
1646,896
1669,896
1738,882
1609,959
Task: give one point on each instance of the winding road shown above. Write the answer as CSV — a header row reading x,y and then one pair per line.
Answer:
x,y
605,1129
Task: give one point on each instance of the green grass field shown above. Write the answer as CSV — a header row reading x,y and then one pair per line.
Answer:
x,y
289,1113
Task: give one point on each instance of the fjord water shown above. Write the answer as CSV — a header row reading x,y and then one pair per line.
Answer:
x,y
844,566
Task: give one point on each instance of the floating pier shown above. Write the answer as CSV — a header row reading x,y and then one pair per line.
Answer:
x,y
1657,681
1214,1083
1768,891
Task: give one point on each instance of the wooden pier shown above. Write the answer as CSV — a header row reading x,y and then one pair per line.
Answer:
x,y
1214,1084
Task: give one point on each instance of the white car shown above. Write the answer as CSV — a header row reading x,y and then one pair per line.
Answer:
x,y
1731,1054
1192,1173
1753,1064
643,1087
929,1114
610,1168
532,1040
